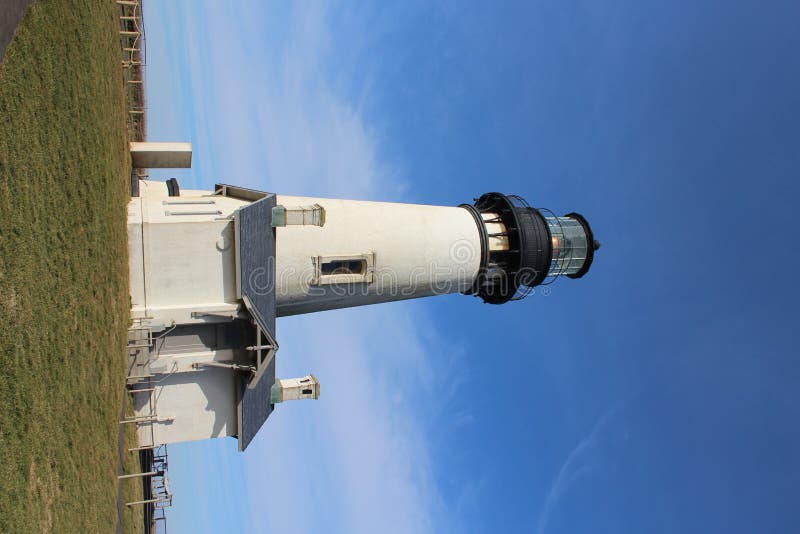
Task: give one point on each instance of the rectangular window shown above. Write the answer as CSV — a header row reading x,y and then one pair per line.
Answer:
x,y
343,269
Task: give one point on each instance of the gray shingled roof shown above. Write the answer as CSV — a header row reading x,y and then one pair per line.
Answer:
x,y
256,263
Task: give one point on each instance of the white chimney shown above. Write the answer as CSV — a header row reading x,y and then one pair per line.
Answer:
x,y
286,389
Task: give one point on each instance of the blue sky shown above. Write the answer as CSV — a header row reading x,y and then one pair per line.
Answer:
x,y
657,394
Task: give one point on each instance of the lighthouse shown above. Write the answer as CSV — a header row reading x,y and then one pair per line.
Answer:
x,y
211,271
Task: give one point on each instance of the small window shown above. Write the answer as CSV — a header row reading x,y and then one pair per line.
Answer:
x,y
343,267
353,269
306,392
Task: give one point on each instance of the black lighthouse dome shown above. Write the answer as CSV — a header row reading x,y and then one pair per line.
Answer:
x,y
524,247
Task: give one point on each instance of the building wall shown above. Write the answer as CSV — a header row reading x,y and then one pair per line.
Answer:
x,y
182,254
183,282
418,251
190,406
192,403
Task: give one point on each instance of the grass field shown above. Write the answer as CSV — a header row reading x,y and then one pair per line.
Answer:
x,y
63,268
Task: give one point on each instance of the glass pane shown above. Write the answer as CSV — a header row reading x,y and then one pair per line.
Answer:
x,y
569,245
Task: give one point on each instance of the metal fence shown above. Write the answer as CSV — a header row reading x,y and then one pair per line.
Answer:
x,y
134,60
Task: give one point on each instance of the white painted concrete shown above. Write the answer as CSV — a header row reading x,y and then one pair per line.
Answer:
x,y
190,406
418,251
136,255
184,261
183,271
286,389
182,255
148,155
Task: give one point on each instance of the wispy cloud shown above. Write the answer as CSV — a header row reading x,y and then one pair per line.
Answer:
x,y
268,115
357,460
266,91
579,463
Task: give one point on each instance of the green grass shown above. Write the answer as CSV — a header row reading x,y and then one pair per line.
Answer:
x,y
64,302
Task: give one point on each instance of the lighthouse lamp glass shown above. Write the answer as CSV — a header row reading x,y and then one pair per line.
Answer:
x,y
570,246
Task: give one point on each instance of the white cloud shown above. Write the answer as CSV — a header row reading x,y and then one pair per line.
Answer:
x,y
582,461
357,460
271,102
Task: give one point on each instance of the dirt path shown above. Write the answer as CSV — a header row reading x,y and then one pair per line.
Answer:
x,y
11,12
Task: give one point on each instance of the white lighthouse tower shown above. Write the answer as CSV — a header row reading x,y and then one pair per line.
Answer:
x,y
211,271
